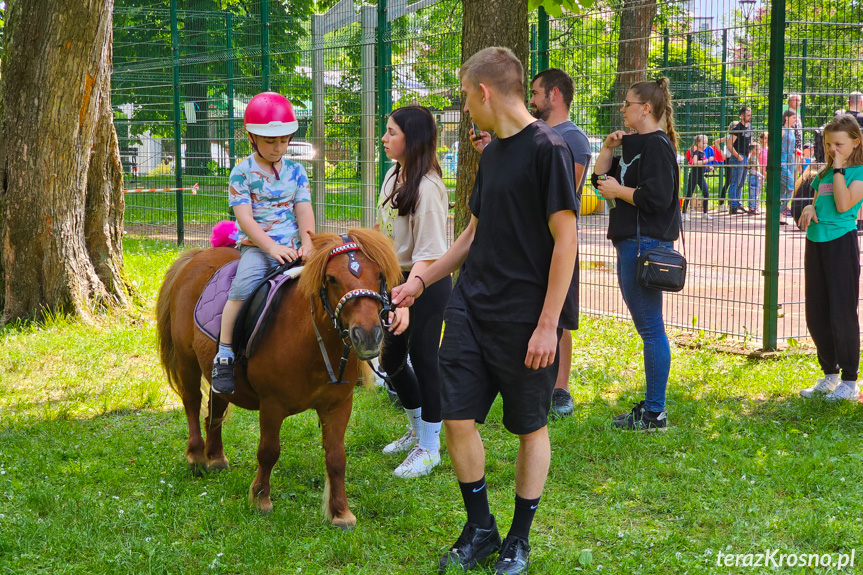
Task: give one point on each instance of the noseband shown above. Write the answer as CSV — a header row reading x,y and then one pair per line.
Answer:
x,y
382,296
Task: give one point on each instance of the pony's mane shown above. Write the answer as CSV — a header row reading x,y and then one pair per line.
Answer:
x,y
376,246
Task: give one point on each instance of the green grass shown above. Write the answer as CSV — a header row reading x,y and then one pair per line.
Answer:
x,y
93,480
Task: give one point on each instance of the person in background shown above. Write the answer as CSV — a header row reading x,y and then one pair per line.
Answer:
x,y
698,161
794,101
756,177
727,170
788,166
832,261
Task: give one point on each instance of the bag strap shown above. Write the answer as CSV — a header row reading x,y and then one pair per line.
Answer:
x,y
638,212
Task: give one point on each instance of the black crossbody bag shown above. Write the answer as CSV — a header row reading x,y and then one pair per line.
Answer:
x,y
660,268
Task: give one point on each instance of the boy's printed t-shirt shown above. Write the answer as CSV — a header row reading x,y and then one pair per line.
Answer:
x,y
272,200
831,224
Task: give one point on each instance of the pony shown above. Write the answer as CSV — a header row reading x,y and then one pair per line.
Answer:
x,y
341,295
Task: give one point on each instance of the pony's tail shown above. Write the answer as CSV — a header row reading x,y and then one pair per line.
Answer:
x,y
163,320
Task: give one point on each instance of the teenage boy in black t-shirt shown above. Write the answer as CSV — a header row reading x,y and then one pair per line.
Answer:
x,y
738,145
504,317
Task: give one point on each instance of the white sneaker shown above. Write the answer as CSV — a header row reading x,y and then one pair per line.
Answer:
x,y
822,386
708,217
846,390
418,462
404,443
685,217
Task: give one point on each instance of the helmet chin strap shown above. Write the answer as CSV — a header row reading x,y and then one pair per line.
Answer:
x,y
255,147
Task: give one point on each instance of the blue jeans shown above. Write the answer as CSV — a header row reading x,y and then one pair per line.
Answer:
x,y
738,180
754,191
254,265
645,307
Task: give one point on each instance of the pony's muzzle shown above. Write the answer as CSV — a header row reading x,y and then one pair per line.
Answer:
x,y
367,341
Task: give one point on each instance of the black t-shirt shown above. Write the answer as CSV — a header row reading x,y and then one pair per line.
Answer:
x,y
743,137
648,163
697,171
521,181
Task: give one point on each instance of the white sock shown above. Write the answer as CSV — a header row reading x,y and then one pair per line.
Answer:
x,y
834,377
851,384
414,417
429,435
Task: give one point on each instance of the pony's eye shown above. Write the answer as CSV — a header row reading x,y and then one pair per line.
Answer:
x,y
332,280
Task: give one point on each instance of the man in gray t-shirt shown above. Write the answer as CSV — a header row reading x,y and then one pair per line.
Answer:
x,y
551,93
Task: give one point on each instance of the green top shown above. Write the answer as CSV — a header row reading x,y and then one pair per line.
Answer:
x,y
831,224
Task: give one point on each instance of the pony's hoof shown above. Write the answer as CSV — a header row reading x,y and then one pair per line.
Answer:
x,y
347,523
220,464
262,503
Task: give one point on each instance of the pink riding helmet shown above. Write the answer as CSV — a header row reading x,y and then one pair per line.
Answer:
x,y
270,114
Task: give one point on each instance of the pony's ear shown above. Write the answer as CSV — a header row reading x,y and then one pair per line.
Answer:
x,y
318,239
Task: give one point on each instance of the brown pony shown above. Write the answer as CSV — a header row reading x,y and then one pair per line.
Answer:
x,y
287,373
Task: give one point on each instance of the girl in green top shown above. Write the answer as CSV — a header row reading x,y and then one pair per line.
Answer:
x,y
832,261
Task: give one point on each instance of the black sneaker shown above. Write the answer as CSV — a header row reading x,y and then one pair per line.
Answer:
x,y
561,403
223,375
637,409
472,546
642,419
513,558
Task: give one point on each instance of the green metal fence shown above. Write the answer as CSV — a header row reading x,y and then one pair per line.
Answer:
x,y
185,69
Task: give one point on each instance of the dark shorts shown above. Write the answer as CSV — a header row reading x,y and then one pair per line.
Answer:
x,y
478,360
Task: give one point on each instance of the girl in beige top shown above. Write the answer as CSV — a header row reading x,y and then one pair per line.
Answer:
x,y
412,209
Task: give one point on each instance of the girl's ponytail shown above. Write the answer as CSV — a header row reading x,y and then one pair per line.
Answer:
x,y
658,94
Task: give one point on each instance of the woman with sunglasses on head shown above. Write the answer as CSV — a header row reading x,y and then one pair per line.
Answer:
x,y
644,182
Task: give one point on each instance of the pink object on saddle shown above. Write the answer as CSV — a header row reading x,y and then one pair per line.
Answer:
x,y
224,234
208,310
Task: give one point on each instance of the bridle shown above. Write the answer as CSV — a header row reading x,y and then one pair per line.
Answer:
x,y
382,296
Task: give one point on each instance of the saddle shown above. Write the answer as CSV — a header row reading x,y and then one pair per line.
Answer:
x,y
256,312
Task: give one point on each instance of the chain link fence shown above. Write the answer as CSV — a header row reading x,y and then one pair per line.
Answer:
x,y
183,72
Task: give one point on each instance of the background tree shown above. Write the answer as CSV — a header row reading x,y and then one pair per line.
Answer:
x,y
60,173
485,23
633,49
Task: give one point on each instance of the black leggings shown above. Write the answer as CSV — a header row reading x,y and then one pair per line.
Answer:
x,y
832,289
420,386
725,184
700,182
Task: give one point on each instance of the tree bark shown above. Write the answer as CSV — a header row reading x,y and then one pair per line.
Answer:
x,y
485,23
636,24
62,191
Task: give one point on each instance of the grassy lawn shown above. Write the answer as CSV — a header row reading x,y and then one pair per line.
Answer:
x,y
93,480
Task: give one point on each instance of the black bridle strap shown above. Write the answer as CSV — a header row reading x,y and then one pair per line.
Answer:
x,y
343,364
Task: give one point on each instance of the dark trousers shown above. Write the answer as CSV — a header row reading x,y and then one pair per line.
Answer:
x,y
726,184
832,290
701,183
419,386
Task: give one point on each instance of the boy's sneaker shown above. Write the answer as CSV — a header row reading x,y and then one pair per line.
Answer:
x,y
847,390
513,558
223,375
561,403
404,443
708,217
472,546
823,386
685,217
640,419
419,462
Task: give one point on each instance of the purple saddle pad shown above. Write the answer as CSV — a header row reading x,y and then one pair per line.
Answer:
x,y
208,310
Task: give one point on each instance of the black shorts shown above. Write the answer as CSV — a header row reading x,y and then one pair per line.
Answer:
x,y
478,360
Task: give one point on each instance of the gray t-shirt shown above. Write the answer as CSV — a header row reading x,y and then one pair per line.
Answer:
x,y
578,144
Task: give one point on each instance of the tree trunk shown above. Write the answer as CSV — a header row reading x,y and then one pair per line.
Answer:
x,y
62,185
485,23
636,23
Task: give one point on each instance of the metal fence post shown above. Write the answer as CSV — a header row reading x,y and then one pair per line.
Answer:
x,y
803,83
665,51
178,131
722,97
533,50
774,159
367,113
542,51
319,184
384,74
229,44
265,45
